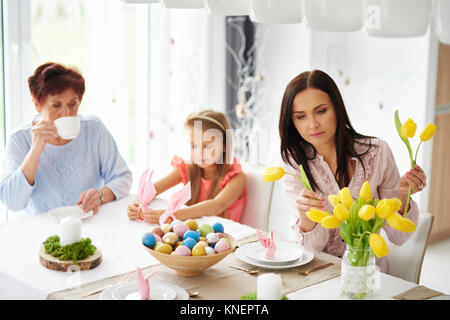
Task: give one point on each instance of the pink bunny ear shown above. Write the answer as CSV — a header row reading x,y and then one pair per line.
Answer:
x,y
149,191
261,238
144,287
271,246
142,182
176,201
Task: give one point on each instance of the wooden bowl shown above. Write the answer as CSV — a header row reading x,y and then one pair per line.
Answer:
x,y
191,266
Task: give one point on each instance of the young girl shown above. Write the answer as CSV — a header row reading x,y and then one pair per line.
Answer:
x,y
316,132
217,181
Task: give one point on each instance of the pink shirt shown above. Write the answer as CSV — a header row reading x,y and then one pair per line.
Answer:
x,y
383,176
235,210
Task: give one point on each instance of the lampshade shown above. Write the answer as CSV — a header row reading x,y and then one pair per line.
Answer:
x,y
182,4
397,18
227,7
332,15
441,17
276,11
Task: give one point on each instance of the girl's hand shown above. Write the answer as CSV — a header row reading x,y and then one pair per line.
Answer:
x,y
415,178
133,211
41,132
152,216
305,201
90,200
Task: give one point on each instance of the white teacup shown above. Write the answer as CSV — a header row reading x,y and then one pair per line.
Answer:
x,y
67,127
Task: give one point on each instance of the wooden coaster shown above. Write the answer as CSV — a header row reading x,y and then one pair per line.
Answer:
x,y
54,263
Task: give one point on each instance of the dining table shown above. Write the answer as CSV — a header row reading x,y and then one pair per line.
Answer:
x,y
120,241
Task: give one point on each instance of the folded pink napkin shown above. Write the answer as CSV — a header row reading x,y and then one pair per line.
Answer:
x,y
147,190
176,201
144,284
267,242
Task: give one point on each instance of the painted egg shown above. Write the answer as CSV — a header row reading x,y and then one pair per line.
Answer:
x,y
170,238
166,228
221,246
182,251
149,240
158,238
205,229
158,231
164,248
209,251
218,227
227,240
192,224
157,245
221,235
212,237
198,250
180,229
191,234
203,243
202,239
190,243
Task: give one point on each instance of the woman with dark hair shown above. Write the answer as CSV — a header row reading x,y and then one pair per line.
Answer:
x,y
43,170
316,132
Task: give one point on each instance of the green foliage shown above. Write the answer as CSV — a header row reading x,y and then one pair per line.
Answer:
x,y
75,251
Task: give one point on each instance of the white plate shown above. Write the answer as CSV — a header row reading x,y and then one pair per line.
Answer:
x,y
130,291
285,253
181,294
306,258
72,211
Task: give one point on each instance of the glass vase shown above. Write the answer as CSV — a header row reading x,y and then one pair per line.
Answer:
x,y
357,272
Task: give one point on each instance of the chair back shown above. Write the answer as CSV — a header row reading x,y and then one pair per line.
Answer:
x,y
405,261
259,195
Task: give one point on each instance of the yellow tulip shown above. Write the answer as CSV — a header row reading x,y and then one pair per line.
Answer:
x,y
334,200
395,221
366,212
316,215
383,208
365,193
395,204
428,132
273,174
345,197
330,222
378,245
341,212
408,128
408,225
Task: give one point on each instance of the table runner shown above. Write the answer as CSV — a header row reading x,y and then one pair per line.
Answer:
x,y
221,282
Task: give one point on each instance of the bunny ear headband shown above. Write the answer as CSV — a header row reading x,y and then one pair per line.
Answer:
x,y
176,201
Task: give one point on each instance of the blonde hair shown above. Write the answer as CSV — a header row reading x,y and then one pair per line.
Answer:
x,y
210,120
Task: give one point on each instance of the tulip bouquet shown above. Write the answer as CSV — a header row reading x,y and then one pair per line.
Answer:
x,y
408,130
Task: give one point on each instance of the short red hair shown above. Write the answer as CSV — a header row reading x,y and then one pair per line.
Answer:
x,y
54,78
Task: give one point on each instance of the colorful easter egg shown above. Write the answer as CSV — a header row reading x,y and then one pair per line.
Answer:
x,y
202,239
222,246
221,235
158,238
170,238
180,229
166,228
212,237
205,229
189,242
157,245
164,248
149,240
198,250
203,243
182,251
192,224
158,231
218,227
209,251
191,234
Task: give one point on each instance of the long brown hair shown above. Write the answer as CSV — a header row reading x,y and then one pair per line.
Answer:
x,y
293,146
210,120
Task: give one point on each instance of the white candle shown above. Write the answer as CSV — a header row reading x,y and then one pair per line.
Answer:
x,y
269,287
70,231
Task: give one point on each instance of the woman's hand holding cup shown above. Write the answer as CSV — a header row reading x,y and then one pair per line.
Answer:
x,y
41,132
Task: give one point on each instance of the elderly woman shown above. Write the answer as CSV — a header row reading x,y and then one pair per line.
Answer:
x,y
41,170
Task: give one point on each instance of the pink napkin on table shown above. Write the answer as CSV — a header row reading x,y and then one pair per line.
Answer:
x,y
144,284
147,190
176,201
267,242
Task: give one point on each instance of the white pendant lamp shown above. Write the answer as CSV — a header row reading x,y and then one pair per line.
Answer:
x,y
332,15
441,17
397,18
227,7
276,11
182,4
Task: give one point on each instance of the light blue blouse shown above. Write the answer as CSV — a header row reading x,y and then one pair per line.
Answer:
x,y
91,160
